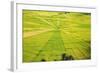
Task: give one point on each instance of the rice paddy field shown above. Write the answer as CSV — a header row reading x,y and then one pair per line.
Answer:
x,y
56,36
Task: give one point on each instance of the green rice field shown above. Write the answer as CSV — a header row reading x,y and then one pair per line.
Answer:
x,y
56,36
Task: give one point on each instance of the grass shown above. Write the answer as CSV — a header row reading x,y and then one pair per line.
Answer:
x,y
47,35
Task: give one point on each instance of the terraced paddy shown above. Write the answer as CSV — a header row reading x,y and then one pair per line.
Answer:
x,y
56,36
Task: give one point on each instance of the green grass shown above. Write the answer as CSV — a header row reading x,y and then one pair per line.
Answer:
x,y
47,35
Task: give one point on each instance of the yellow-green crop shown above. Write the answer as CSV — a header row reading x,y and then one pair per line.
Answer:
x,y
47,35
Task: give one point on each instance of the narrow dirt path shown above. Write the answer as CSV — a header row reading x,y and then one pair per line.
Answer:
x,y
32,33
